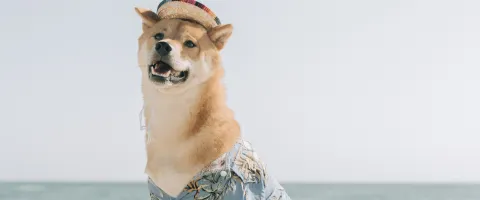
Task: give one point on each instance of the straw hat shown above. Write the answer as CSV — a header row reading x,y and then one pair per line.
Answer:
x,y
188,9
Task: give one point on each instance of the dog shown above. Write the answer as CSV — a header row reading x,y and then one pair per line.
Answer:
x,y
193,142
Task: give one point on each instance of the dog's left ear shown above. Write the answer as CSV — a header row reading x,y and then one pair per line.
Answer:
x,y
220,34
149,18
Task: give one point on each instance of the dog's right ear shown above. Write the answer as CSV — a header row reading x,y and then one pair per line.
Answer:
x,y
149,18
220,34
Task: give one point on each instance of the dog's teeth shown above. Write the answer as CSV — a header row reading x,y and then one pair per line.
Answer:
x,y
166,74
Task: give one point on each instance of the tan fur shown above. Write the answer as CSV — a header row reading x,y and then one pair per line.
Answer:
x,y
189,125
149,18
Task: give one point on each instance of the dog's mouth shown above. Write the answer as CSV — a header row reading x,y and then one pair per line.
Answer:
x,y
162,72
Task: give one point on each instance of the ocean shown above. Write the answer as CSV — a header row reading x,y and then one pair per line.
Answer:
x,y
134,191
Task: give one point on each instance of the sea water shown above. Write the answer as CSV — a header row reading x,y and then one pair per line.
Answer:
x,y
133,191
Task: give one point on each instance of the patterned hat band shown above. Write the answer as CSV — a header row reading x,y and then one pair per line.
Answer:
x,y
195,3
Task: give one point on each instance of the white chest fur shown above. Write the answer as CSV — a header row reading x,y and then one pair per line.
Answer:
x,y
166,119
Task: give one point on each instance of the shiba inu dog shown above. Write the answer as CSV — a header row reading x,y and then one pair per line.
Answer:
x,y
193,142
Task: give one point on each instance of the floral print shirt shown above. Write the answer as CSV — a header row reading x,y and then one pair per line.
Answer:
x,y
237,175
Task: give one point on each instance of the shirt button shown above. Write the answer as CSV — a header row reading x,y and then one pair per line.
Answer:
x,y
223,173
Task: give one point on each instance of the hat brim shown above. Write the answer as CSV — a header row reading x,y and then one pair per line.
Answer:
x,y
182,10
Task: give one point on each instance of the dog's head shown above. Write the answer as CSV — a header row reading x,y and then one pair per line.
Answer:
x,y
175,54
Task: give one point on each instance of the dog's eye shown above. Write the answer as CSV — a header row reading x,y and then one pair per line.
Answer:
x,y
158,36
189,44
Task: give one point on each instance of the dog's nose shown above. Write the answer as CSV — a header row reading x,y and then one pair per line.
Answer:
x,y
163,48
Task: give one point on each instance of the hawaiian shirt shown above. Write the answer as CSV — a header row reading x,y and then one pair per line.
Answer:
x,y
237,175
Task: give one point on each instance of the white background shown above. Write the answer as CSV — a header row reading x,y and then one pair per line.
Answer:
x,y
342,90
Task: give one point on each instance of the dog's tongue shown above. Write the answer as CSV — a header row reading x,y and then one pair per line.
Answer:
x,y
162,69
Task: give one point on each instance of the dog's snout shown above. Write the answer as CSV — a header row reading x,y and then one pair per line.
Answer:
x,y
163,48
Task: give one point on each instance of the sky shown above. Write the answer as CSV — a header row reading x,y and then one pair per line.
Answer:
x,y
326,91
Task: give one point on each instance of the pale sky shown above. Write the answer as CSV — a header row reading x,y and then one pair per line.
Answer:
x,y
342,90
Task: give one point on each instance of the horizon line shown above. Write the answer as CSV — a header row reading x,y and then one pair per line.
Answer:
x,y
283,182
